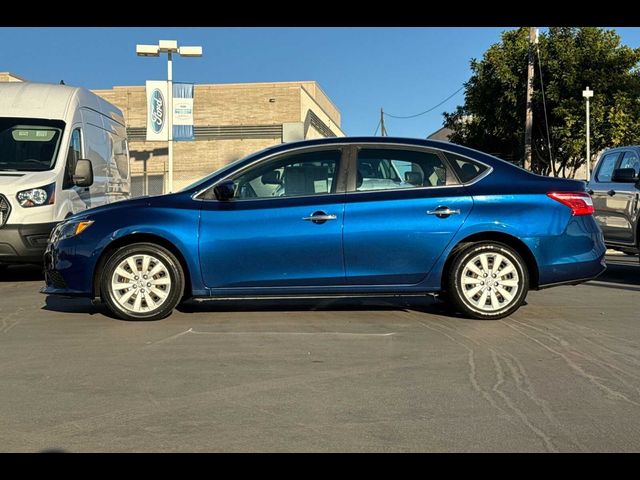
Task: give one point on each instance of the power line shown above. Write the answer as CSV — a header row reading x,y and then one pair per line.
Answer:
x,y
426,111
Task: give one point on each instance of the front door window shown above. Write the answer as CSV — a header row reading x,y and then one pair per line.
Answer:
x,y
305,174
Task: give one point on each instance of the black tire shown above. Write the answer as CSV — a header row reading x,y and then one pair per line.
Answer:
x,y
455,288
174,291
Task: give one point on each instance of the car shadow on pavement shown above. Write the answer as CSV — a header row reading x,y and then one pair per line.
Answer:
x,y
621,269
427,304
75,305
21,273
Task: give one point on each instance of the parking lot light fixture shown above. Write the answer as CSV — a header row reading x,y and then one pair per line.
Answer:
x,y
147,50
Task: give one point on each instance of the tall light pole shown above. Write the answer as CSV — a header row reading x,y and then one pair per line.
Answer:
x,y
169,47
587,94
528,124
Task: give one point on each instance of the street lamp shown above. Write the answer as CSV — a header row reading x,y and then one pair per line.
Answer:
x,y
169,47
587,94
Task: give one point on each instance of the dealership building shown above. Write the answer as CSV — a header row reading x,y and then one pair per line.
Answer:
x,y
230,121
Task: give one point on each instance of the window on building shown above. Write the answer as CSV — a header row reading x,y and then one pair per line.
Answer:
x,y
147,185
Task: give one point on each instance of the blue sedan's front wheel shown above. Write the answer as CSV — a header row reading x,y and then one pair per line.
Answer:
x,y
488,280
142,281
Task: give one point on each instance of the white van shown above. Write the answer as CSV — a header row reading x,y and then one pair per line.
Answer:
x,y
63,149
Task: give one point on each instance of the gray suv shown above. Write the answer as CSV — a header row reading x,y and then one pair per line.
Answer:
x,y
615,188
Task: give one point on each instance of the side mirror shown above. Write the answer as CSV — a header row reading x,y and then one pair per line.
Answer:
x,y
624,175
224,191
414,178
271,178
83,174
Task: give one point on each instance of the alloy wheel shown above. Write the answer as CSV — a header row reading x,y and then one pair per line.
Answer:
x,y
489,282
141,283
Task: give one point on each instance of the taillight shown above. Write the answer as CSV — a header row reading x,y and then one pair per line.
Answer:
x,y
580,203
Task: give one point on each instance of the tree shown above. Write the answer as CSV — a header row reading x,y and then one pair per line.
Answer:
x,y
492,117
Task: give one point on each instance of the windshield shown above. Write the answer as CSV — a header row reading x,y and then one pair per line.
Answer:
x,y
29,145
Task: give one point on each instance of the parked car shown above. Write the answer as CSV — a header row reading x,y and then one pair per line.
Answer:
x,y
334,217
53,140
615,188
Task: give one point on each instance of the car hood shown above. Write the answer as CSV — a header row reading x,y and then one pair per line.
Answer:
x,y
138,202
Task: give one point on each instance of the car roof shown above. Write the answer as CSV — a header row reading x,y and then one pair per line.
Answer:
x,y
368,139
437,144
622,147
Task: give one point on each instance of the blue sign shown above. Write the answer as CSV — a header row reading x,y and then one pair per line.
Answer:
x,y
157,110
183,111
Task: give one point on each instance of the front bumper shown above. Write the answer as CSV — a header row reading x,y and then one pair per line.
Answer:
x,y
24,243
67,268
56,266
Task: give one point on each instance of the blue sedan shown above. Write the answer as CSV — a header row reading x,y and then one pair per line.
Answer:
x,y
336,217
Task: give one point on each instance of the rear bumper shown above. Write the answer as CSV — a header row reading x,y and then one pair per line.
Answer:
x,y
24,243
576,256
588,270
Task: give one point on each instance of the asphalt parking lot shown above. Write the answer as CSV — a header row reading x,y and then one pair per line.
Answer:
x,y
363,375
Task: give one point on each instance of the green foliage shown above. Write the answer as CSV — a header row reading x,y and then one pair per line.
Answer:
x,y
492,117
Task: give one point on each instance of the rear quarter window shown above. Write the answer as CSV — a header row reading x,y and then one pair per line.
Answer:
x,y
466,169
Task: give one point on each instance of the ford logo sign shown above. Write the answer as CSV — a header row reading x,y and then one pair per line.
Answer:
x,y
157,110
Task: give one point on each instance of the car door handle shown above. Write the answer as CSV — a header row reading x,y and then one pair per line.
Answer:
x,y
443,212
611,193
319,217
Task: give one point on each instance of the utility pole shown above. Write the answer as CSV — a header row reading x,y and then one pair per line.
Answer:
x,y
383,131
533,40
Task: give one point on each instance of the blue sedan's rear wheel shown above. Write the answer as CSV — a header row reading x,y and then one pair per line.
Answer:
x,y
142,281
488,280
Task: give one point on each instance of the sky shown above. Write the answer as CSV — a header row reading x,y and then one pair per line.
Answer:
x,y
403,70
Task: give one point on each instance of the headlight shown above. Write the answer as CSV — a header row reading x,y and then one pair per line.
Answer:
x,y
36,197
70,229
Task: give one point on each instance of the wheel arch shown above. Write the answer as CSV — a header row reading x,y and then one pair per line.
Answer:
x,y
138,238
500,237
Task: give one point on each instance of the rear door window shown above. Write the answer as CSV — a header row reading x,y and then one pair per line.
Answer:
x,y
391,169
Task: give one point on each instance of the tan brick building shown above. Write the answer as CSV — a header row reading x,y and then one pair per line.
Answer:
x,y
230,121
